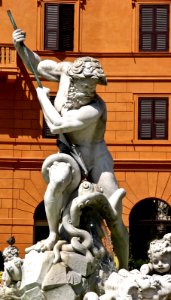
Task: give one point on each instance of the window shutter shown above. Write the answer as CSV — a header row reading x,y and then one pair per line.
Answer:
x,y
66,26
160,118
59,27
46,130
154,28
52,26
153,118
162,19
145,119
146,28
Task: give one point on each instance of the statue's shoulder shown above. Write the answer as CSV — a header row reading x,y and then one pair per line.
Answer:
x,y
100,103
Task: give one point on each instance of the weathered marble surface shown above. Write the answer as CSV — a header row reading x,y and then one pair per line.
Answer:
x,y
79,118
152,282
82,192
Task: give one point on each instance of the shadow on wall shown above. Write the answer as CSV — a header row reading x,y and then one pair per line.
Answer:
x,y
19,107
82,3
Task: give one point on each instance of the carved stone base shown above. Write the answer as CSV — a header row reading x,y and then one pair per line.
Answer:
x,y
43,280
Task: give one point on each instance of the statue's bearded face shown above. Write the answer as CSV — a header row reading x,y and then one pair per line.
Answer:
x,y
81,92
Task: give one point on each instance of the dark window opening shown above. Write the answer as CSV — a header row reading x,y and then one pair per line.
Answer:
x,y
154,28
41,228
46,131
59,27
152,118
149,219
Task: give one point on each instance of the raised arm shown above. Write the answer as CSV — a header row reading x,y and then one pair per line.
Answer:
x,y
26,54
48,69
52,70
72,121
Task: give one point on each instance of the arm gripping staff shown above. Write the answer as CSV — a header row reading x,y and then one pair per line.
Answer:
x,y
25,51
74,152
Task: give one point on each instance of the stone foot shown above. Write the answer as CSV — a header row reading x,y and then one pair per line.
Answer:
x,y
42,246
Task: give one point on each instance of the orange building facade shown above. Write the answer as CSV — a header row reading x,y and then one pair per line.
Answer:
x,y
138,73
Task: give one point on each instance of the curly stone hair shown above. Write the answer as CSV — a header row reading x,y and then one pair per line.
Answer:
x,y
11,240
87,67
161,246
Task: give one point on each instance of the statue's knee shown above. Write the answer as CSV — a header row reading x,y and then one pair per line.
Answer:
x,y
60,175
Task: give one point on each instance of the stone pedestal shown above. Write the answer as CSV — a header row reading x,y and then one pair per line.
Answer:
x,y
43,280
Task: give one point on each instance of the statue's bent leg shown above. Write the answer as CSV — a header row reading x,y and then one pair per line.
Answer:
x,y
119,233
60,175
120,240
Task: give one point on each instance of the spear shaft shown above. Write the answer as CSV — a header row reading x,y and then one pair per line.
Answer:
x,y
73,149
25,51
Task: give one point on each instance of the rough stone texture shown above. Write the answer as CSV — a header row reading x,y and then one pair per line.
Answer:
x,y
57,276
33,294
77,262
64,292
74,278
35,267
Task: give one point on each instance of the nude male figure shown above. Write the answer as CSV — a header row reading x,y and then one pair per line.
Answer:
x,y
79,113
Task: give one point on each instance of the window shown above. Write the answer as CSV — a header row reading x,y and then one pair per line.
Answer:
x,y
59,27
46,131
153,118
154,28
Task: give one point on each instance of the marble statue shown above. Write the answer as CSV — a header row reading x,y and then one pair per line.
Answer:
x,y
79,118
82,198
152,281
12,264
159,254
10,251
13,271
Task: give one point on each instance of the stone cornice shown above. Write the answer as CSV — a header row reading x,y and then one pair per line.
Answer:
x,y
16,221
119,165
43,141
73,54
21,163
143,165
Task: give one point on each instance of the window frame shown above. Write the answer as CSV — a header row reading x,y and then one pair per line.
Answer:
x,y
46,134
136,20
41,23
154,34
135,139
60,37
154,121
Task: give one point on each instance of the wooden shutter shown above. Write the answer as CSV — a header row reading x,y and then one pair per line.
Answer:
x,y
154,28
146,28
153,118
145,119
46,130
59,27
52,26
161,118
162,27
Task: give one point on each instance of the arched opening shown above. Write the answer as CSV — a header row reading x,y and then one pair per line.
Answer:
x,y
149,219
41,229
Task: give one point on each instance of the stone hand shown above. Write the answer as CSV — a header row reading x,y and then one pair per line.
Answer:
x,y
42,92
18,37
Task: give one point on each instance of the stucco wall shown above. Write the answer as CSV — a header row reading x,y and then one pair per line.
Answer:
x,y
107,30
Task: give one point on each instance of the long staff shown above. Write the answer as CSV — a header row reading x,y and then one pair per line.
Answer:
x,y
25,51
73,149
